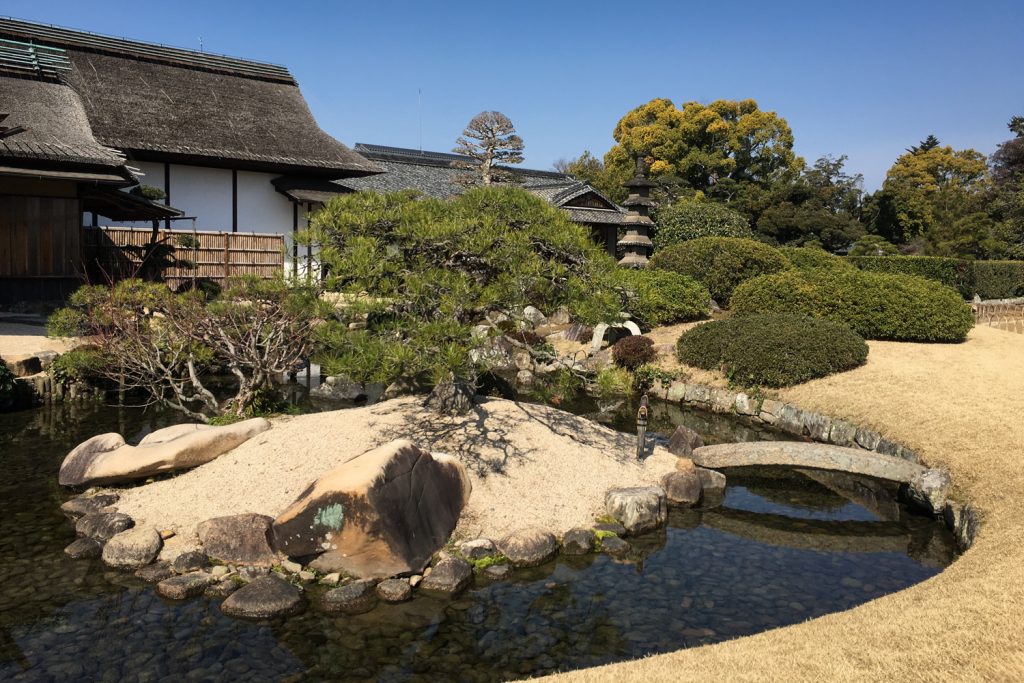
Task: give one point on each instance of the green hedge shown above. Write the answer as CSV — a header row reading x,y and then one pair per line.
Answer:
x,y
773,350
999,279
720,263
687,220
809,258
875,305
952,272
659,297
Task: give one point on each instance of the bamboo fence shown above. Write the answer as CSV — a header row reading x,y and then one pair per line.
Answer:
x,y
115,253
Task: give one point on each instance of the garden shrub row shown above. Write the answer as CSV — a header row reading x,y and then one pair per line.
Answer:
x,y
660,297
773,350
720,263
810,258
999,279
875,305
952,272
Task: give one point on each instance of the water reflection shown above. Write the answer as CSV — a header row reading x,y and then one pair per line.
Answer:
x,y
781,548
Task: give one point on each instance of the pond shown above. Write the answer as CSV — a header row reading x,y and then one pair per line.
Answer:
x,y
782,548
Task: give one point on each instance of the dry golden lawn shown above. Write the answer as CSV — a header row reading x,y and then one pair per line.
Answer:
x,y
961,407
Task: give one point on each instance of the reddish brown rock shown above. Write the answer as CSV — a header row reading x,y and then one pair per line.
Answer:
x,y
383,513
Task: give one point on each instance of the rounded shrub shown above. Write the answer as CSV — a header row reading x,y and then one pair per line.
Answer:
x,y
720,263
810,258
773,350
632,352
875,305
687,220
660,297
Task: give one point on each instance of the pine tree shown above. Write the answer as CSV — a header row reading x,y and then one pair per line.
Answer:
x,y
490,140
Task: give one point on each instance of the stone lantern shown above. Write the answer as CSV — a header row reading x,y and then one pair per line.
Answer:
x,y
636,244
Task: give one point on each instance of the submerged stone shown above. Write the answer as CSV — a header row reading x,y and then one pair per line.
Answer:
x,y
352,598
84,549
578,541
449,575
266,597
185,586
103,525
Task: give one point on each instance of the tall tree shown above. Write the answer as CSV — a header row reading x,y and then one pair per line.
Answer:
x,y
591,169
1007,199
710,149
929,143
490,140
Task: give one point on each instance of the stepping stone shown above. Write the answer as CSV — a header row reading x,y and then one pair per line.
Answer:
x,y
266,597
352,598
185,586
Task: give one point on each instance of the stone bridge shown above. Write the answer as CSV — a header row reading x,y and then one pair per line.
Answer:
x,y
808,455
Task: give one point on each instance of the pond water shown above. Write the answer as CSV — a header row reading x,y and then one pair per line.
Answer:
x,y
782,548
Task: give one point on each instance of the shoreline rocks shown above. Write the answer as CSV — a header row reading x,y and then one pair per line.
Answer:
x,y
133,548
528,547
239,539
638,509
266,597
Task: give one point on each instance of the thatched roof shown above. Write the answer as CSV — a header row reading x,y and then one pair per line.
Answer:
x,y
433,174
57,136
161,103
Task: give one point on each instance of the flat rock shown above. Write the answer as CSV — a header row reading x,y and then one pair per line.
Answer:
x,y
352,598
84,548
106,458
614,546
929,489
103,525
185,586
638,509
497,572
239,539
132,548
711,480
155,573
683,441
266,597
613,527
221,589
449,575
381,514
477,549
682,488
190,561
528,547
809,455
83,505
578,541
394,590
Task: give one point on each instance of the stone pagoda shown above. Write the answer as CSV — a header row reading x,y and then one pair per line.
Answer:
x,y
635,244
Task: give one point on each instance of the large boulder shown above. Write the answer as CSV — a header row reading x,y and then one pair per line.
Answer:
x,y
266,597
238,539
638,509
682,487
383,513
132,548
528,547
106,458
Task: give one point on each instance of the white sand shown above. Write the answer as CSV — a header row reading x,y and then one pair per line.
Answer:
x,y
18,340
530,465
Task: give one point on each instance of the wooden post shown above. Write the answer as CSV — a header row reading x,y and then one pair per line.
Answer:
x,y
227,256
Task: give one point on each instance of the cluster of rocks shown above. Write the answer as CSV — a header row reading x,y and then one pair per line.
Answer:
x,y
929,490
34,385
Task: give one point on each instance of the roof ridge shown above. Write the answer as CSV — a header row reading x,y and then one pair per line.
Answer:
x,y
429,158
59,35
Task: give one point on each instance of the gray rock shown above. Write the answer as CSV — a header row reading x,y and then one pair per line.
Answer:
x,y
770,410
842,433
332,579
614,546
291,567
220,571
790,419
238,539
534,316
266,597
817,426
613,527
394,590
722,400
84,549
682,487
578,541
185,586
190,561
132,548
221,589
253,573
683,441
560,316
525,379
638,509
451,398
711,480
528,547
697,393
352,598
336,388
404,386
477,548
83,505
497,572
745,405
155,573
449,575
103,525
866,438
928,490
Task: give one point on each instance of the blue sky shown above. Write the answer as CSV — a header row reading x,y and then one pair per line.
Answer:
x,y
865,79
